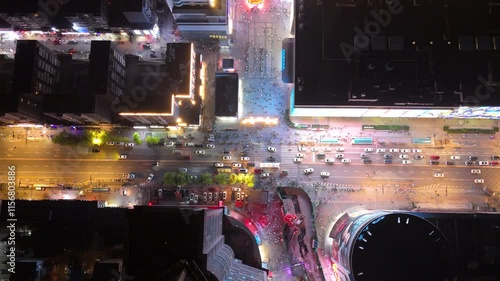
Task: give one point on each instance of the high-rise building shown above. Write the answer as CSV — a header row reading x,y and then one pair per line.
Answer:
x,y
201,19
388,245
35,75
107,70
163,239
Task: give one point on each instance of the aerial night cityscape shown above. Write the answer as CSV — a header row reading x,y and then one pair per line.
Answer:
x,y
238,140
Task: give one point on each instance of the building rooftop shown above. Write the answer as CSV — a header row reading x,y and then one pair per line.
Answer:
x,y
226,94
220,9
69,103
19,7
402,238
423,246
416,54
83,7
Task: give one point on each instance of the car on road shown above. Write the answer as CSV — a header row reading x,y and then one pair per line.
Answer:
x,y
195,199
387,156
245,153
345,161
160,193
127,176
219,165
340,149
324,174
308,171
327,149
183,170
387,161
455,157
236,165
297,160
205,195
120,143
320,155
155,164
433,162
495,157
225,157
123,156
224,195
209,145
186,157
362,155
271,149
314,149
473,158
494,163
329,161
435,157
470,163
200,152
301,149
169,143
96,150
405,151
366,161
483,163
394,150
191,197
479,181
132,176
271,158
403,156
338,156
419,157
245,158
407,162
450,163
381,150
227,151
264,175
210,196
110,143
417,150
130,144
150,177
369,149
438,175
475,171
238,196
300,155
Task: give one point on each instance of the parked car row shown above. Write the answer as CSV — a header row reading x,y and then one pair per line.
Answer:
x,y
207,197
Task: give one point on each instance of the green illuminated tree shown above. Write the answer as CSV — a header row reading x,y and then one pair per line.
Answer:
x,y
151,140
169,178
221,178
137,138
206,179
181,178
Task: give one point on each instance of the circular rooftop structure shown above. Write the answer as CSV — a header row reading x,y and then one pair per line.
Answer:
x,y
401,246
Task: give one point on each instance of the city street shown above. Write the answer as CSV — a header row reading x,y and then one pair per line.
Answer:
x,y
348,187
